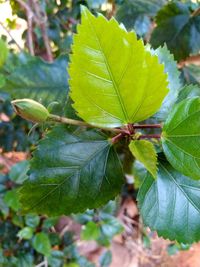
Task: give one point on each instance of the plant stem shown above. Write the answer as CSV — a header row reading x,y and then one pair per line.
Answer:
x,y
116,138
68,121
144,126
42,23
8,32
149,136
196,12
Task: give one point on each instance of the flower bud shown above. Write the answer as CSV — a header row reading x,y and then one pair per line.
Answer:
x,y
30,110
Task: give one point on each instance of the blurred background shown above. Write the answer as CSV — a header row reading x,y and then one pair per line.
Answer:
x,y
36,38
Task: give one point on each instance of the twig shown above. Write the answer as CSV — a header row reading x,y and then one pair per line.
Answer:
x,y
42,23
196,12
144,126
116,138
30,32
29,16
68,121
7,31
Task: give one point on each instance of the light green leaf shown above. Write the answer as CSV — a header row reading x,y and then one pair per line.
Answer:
x,y
114,79
3,52
25,233
70,172
42,244
170,205
90,231
181,137
144,151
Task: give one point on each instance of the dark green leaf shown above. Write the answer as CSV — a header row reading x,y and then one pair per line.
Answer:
x,y
41,244
181,137
56,259
174,81
178,29
189,91
39,80
32,220
12,200
70,172
171,204
136,14
105,259
18,172
191,74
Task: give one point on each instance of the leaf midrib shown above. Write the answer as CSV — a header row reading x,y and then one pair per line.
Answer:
x,y
110,73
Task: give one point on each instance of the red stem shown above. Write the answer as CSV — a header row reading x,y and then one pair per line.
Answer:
x,y
144,126
116,138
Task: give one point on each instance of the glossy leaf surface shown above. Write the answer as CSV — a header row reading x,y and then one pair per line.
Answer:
x,y
181,137
171,204
173,78
70,172
39,80
178,28
114,80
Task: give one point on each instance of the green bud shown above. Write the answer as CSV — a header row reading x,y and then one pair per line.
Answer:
x,y
30,110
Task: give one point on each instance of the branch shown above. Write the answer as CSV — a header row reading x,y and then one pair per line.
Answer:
x,y
42,23
7,31
68,121
196,12
29,16
144,126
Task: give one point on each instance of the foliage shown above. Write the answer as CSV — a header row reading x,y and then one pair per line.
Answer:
x,y
25,240
179,28
140,105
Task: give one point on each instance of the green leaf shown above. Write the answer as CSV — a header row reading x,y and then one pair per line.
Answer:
x,y
41,244
18,172
105,259
32,220
49,82
137,14
144,151
90,231
189,91
181,137
114,79
12,200
3,52
173,78
178,29
70,172
191,74
25,233
170,205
